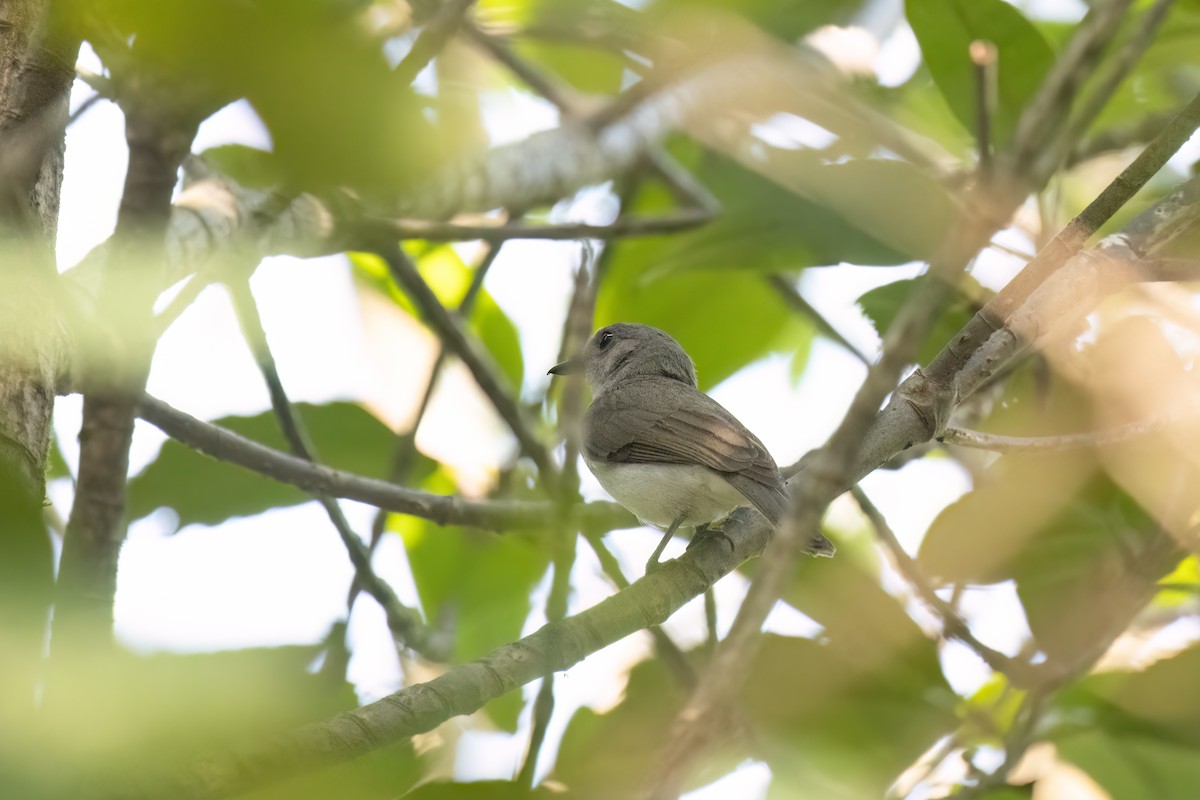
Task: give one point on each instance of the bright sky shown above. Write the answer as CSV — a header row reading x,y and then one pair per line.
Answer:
x,y
281,577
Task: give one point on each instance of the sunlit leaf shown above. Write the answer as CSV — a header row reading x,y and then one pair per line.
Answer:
x,y
449,277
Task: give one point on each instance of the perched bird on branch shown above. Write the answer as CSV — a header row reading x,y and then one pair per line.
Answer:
x,y
667,452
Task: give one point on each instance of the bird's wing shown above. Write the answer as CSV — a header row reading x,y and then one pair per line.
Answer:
x,y
664,421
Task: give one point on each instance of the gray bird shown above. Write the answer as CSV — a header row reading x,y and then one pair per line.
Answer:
x,y
670,454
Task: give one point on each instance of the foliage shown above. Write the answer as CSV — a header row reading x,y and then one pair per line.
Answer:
x,y
843,713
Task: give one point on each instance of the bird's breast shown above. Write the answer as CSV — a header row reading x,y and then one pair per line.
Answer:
x,y
657,494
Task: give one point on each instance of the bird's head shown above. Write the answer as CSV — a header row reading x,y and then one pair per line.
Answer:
x,y
623,351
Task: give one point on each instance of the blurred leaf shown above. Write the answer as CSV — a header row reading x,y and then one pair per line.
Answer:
x,y
588,69
614,754
858,704
480,581
382,774
945,30
314,73
989,714
249,166
882,304
1165,77
787,19
978,538
122,715
449,277
481,790
203,490
1132,767
706,287
1162,701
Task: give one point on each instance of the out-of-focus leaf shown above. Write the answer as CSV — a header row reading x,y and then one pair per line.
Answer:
x,y
1165,77
1162,700
1131,767
479,582
977,538
706,287
249,166
122,715
883,303
789,19
482,790
945,30
315,74
203,490
848,711
615,754
449,279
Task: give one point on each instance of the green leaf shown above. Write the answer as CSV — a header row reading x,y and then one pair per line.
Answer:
x,y
479,582
203,490
945,30
1132,767
1162,700
882,304
351,124
868,696
616,753
249,166
787,19
978,538
449,278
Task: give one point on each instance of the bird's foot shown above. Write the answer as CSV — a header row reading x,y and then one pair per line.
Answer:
x,y
705,532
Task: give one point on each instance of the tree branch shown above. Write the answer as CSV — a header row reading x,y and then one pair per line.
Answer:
x,y
405,623
465,689
623,228
493,515
159,127
452,333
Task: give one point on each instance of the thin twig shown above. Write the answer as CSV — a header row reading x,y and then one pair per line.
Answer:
x,y
1051,444
493,515
452,333
953,625
983,66
791,295
405,623
624,228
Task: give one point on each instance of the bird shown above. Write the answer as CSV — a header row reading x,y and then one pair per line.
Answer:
x,y
663,449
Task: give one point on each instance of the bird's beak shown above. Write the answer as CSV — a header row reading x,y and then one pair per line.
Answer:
x,y
565,368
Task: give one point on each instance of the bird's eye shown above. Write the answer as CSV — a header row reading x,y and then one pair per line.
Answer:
x,y
605,340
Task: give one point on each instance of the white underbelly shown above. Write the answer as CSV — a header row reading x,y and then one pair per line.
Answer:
x,y
658,494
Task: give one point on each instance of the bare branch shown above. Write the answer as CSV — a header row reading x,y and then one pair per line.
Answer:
x,y
493,515
623,228
1053,444
452,333
405,623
